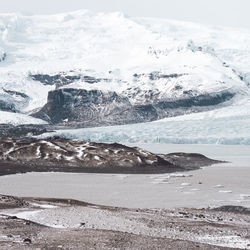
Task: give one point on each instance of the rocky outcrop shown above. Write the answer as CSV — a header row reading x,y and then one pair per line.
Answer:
x,y
16,93
59,154
16,132
85,108
79,105
13,101
189,161
3,56
6,106
62,79
7,202
146,97
58,79
233,209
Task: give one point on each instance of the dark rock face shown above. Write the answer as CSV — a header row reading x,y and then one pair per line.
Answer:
x,y
11,202
15,132
58,79
159,109
78,105
62,79
3,57
190,160
13,101
142,113
157,75
196,101
59,154
6,106
88,108
16,93
233,209
81,107
91,79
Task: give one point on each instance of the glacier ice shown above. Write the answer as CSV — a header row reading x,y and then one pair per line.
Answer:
x,y
110,42
111,45
18,119
229,125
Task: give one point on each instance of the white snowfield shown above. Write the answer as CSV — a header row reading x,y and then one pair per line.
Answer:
x,y
18,119
113,46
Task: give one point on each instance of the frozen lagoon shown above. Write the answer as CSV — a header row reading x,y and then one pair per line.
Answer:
x,y
222,184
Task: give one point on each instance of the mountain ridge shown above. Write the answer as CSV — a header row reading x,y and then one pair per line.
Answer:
x,y
148,61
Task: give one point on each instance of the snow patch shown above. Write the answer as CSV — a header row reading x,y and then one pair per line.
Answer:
x,y
18,119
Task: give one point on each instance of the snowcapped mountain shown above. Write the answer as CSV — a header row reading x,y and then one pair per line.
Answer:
x,y
86,69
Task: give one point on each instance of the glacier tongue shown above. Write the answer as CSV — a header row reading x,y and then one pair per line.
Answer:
x,y
18,119
108,42
142,59
223,126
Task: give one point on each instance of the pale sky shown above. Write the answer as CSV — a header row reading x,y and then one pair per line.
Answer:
x,y
235,13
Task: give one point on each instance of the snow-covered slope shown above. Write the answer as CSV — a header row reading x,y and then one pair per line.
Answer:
x,y
142,59
18,119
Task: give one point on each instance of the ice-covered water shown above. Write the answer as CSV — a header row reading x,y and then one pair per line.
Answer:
x,y
211,186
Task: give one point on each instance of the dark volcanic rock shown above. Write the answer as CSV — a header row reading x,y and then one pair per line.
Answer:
x,y
79,105
16,93
196,101
84,108
3,57
58,79
137,102
11,131
59,154
6,106
62,79
189,161
157,75
233,209
12,202
91,79
13,101
88,108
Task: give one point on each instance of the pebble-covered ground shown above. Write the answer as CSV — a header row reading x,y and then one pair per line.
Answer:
x,y
69,224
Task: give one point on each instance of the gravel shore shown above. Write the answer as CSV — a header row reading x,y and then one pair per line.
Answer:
x,y
28,223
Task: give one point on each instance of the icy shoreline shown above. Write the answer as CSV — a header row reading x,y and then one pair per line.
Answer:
x,y
55,220
214,186
221,184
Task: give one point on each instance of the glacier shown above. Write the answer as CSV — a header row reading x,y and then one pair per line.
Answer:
x,y
18,119
229,125
114,52
114,46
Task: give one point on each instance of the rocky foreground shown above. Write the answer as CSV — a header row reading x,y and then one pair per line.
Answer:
x,y
64,155
28,223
